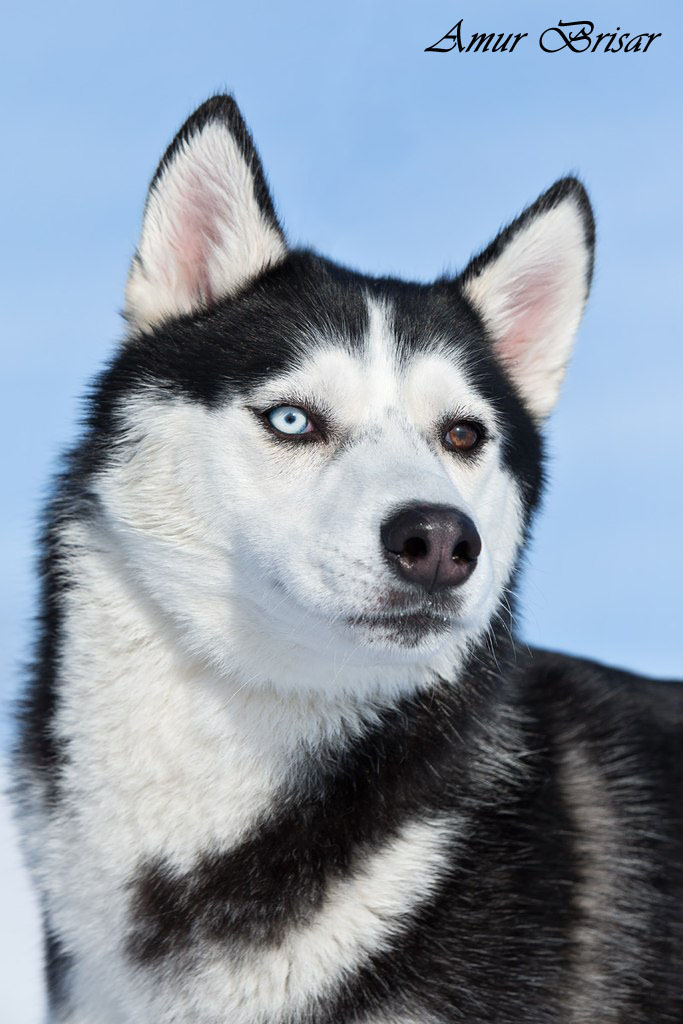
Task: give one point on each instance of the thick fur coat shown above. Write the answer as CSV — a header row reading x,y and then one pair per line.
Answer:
x,y
282,759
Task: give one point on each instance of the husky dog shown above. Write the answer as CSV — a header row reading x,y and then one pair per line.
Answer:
x,y
282,760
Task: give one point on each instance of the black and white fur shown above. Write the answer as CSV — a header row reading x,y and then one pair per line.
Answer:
x,y
264,780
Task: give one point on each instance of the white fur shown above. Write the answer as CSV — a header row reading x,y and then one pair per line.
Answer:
x,y
203,235
259,553
531,298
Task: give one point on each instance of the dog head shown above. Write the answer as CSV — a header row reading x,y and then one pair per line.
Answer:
x,y
321,478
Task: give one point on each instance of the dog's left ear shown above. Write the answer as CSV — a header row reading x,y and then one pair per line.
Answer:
x,y
209,225
530,286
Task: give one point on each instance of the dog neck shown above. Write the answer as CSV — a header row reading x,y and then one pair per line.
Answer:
x,y
139,716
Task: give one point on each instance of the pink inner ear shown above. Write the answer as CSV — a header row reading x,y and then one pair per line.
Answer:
x,y
197,234
526,313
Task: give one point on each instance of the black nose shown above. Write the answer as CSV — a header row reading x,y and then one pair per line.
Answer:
x,y
433,546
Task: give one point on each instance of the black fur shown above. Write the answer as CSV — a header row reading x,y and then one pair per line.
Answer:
x,y
563,189
38,745
58,966
224,109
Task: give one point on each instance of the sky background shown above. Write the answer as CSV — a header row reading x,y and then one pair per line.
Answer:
x,y
391,160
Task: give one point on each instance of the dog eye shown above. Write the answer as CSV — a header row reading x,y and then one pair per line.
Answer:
x,y
463,436
288,419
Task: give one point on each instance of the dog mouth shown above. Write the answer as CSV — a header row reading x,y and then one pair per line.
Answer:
x,y
407,625
396,608
418,620
397,617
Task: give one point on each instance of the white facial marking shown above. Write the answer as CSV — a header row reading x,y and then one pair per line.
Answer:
x,y
270,551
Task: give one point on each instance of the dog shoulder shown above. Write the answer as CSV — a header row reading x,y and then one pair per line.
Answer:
x,y
579,683
624,729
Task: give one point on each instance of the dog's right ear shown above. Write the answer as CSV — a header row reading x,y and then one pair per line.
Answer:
x,y
209,225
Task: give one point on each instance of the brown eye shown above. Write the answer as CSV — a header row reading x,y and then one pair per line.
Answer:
x,y
462,436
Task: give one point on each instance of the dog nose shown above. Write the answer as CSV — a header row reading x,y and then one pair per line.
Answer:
x,y
433,546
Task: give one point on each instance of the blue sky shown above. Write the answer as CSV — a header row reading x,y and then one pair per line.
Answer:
x,y
389,159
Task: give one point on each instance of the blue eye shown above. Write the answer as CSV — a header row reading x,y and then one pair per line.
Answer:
x,y
288,419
